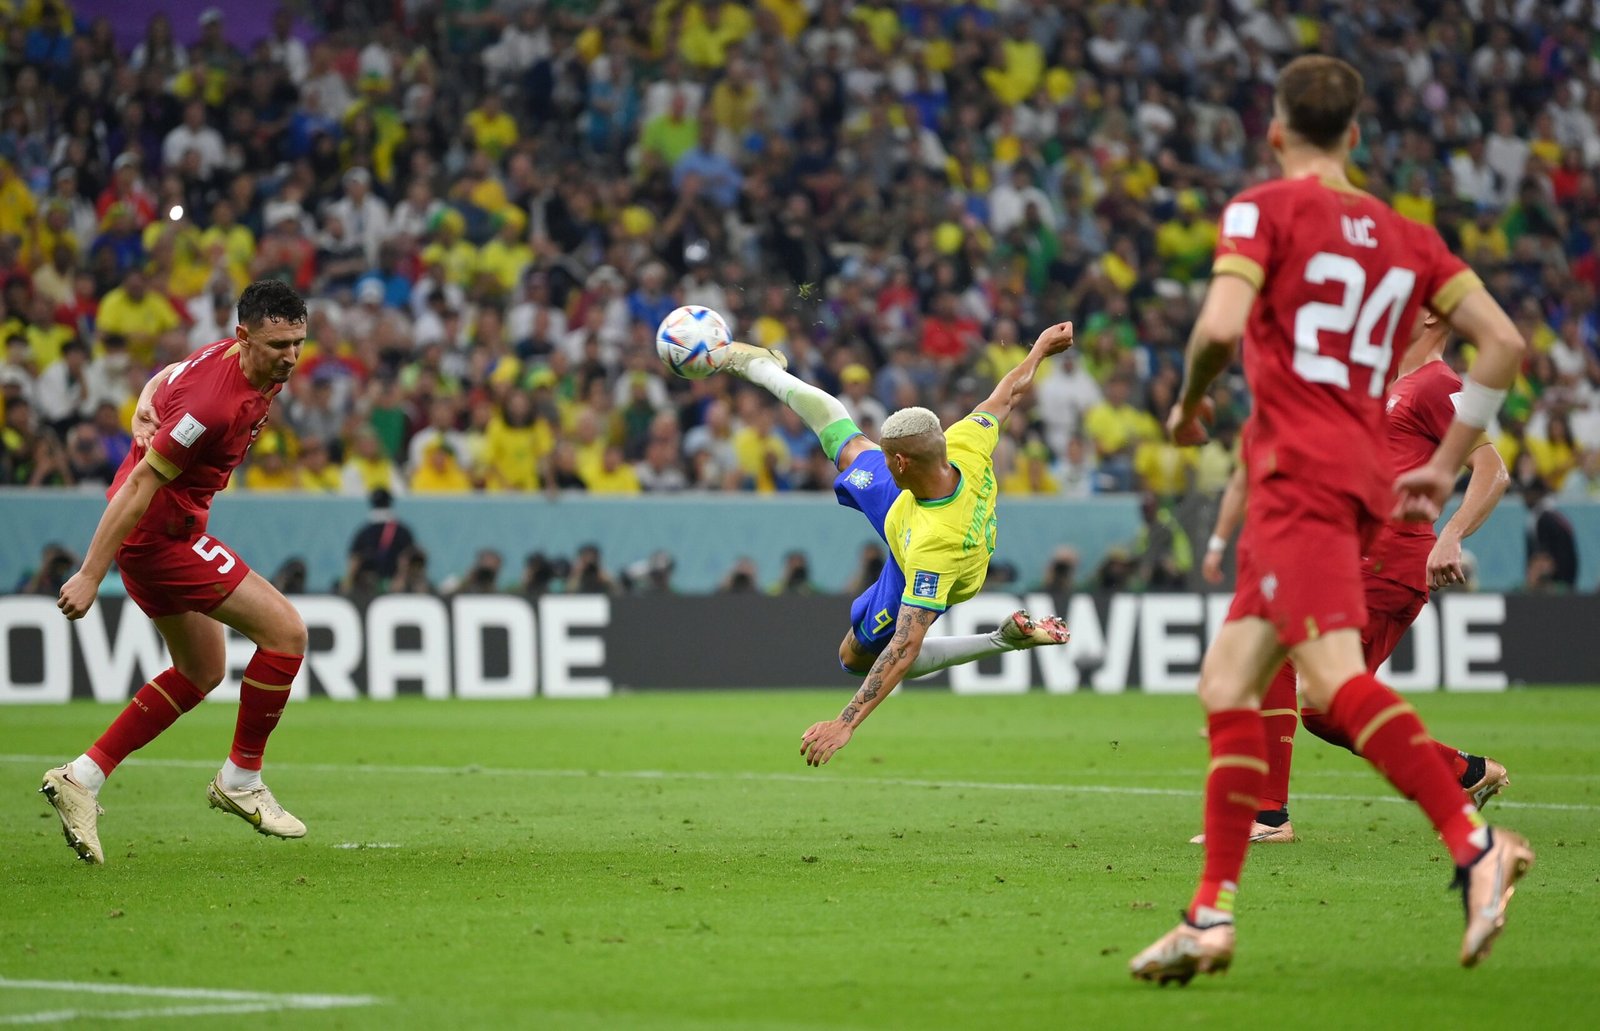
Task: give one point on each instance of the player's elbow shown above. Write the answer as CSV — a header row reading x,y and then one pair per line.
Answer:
x,y
1220,336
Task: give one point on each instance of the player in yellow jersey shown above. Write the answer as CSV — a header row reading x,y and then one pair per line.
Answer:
x,y
930,493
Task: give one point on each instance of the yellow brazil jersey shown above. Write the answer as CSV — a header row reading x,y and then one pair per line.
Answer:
x,y
943,546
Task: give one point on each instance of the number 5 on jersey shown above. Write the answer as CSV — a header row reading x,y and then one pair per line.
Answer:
x,y
1359,312
211,550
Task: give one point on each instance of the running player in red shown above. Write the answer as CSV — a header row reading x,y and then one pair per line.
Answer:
x,y
1397,572
194,422
1316,278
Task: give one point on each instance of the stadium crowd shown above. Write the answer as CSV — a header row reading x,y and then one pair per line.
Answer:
x,y
490,206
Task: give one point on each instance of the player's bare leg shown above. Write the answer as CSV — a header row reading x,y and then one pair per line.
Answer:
x,y
1233,677
198,657
258,611
1388,734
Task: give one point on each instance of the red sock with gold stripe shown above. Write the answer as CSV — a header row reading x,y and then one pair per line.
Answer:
x,y
1233,794
1388,734
262,695
155,707
1280,718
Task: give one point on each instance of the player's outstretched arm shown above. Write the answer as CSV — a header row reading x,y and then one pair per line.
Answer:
x,y
118,520
821,740
1230,513
1480,319
1014,385
1212,345
1487,483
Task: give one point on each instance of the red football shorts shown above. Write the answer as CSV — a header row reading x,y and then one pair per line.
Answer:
x,y
166,575
1391,609
1300,560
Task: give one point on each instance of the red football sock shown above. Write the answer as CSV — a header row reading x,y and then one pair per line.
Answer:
x,y
1279,715
1319,724
155,707
262,696
1453,758
1316,721
1233,795
1388,734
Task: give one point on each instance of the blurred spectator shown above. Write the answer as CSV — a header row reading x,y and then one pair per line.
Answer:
x,y
383,539
741,579
650,576
56,565
1551,544
796,576
291,576
1060,574
868,568
588,576
1162,553
482,578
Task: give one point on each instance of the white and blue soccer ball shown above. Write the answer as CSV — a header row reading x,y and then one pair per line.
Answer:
x,y
690,340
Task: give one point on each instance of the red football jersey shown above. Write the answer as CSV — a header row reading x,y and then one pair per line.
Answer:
x,y
209,415
1421,407
1340,278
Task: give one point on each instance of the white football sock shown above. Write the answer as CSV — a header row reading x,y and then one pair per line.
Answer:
x,y
88,773
817,408
237,778
943,652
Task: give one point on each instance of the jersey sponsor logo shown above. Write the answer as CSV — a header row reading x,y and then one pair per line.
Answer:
x,y
1269,586
188,430
1394,399
1241,219
984,421
1358,231
860,479
925,585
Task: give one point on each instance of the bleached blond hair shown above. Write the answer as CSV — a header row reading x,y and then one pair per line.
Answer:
x,y
910,422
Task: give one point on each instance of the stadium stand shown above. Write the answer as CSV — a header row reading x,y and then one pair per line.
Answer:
x,y
491,204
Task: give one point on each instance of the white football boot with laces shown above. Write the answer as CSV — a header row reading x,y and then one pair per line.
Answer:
x,y
256,806
79,813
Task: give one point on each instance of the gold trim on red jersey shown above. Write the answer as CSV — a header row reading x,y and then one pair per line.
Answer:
x,y
1241,266
1458,286
160,464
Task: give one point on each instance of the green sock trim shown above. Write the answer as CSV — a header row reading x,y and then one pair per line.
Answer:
x,y
836,435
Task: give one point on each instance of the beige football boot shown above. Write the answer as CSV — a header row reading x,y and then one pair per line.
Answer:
x,y
736,358
1183,952
256,806
79,812
1486,889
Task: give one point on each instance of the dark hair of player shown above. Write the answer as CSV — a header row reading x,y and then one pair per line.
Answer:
x,y
270,299
1318,97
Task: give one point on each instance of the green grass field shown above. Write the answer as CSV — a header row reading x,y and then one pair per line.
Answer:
x,y
667,861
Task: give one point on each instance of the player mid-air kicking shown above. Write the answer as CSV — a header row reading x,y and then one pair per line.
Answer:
x,y
930,494
1397,572
194,422
1315,278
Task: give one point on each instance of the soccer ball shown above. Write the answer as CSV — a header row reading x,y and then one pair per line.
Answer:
x,y
689,341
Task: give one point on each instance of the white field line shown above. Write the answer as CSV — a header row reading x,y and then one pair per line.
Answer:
x,y
770,778
217,1001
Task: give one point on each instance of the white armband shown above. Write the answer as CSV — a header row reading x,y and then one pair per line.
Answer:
x,y
1216,544
1479,404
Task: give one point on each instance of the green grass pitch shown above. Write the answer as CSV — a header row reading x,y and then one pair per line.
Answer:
x,y
667,861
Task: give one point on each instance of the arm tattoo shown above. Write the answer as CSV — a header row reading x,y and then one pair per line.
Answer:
x,y
898,654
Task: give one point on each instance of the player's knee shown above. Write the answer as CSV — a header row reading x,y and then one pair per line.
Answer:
x,y
852,658
288,635
205,676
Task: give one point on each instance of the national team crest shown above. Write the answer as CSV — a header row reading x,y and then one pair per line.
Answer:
x,y
860,479
925,585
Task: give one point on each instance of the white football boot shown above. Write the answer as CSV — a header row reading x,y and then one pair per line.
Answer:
x,y
256,806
